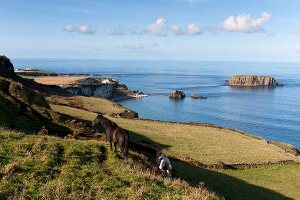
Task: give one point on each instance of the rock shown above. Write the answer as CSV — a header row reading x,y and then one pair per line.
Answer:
x,y
196,96
128,114
253,81
177,94
6,67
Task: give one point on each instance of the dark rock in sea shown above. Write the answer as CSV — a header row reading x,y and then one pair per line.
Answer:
x,y
253,81
196,96
6,67
177,94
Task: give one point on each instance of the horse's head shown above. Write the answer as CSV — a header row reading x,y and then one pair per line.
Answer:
x,y
98,120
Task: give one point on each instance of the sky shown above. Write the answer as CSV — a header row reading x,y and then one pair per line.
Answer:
x,y
212,30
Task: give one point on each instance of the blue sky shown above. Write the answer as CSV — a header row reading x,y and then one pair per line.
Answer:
x,y
233,30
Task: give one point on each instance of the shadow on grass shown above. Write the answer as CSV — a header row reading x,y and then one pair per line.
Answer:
x,y
145,145
225,185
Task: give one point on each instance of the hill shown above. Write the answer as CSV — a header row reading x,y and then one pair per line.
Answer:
x,y
35,165
43,167
233,163
78,163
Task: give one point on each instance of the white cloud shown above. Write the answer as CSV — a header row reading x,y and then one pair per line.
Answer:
x,y
158,28
69,28
298,32
86,29
194,29
245,23
119,30
298,49
91,48
176,30
137,46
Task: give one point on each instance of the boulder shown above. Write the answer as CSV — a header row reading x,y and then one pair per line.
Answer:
x,y
196,96
6,67
253,81
177,94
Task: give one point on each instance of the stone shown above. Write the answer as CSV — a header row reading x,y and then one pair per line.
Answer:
x,y
177,94
253,81
196,96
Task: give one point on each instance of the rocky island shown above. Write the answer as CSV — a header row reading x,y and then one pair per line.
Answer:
x,y
177,94
253,81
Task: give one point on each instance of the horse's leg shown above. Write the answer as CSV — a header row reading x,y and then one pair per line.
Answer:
x,y
115,145
109,139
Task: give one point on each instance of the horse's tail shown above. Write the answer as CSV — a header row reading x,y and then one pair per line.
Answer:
x,y
126,145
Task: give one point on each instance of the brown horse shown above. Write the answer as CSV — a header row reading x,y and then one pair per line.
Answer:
x,y
114,134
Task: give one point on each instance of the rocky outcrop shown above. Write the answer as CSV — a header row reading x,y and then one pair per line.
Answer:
x,y
6,67
99,87
253,81
177,94
197,96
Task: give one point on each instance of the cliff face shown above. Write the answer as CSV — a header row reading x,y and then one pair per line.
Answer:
x,y
101,90
99,87
253,81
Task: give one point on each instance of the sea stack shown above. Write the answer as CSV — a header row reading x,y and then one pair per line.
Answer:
x,y
177,94
253,81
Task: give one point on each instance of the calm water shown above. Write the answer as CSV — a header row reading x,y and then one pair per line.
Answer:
x,y
271,113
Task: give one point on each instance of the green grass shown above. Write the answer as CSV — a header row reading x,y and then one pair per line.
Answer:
x,y
265,182
42,167
281,178
213,145
209,145
93,104
74,112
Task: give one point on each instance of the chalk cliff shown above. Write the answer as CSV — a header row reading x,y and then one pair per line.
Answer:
x,y
253,81
99,87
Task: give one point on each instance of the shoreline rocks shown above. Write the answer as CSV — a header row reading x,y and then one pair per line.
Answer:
x,y
177,94
197,96
253,81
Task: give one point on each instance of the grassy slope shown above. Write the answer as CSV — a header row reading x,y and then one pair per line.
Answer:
x,y
93,104
272,182
25,109
208,145
43,167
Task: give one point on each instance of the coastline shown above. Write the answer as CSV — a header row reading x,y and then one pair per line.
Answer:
x,y
289,150
285,147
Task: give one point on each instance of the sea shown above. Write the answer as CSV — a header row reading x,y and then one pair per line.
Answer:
x,y
272,113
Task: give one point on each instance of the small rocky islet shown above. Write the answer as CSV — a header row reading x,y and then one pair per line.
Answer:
x,y
177,94
253,81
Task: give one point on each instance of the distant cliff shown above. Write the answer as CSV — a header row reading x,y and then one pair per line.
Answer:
x,y
253,81
99,87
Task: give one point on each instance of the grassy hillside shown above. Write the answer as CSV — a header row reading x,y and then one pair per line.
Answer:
x,y
208,145
25,109
196,144
43,167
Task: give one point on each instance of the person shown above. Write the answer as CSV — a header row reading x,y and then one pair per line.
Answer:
x,y
164,165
